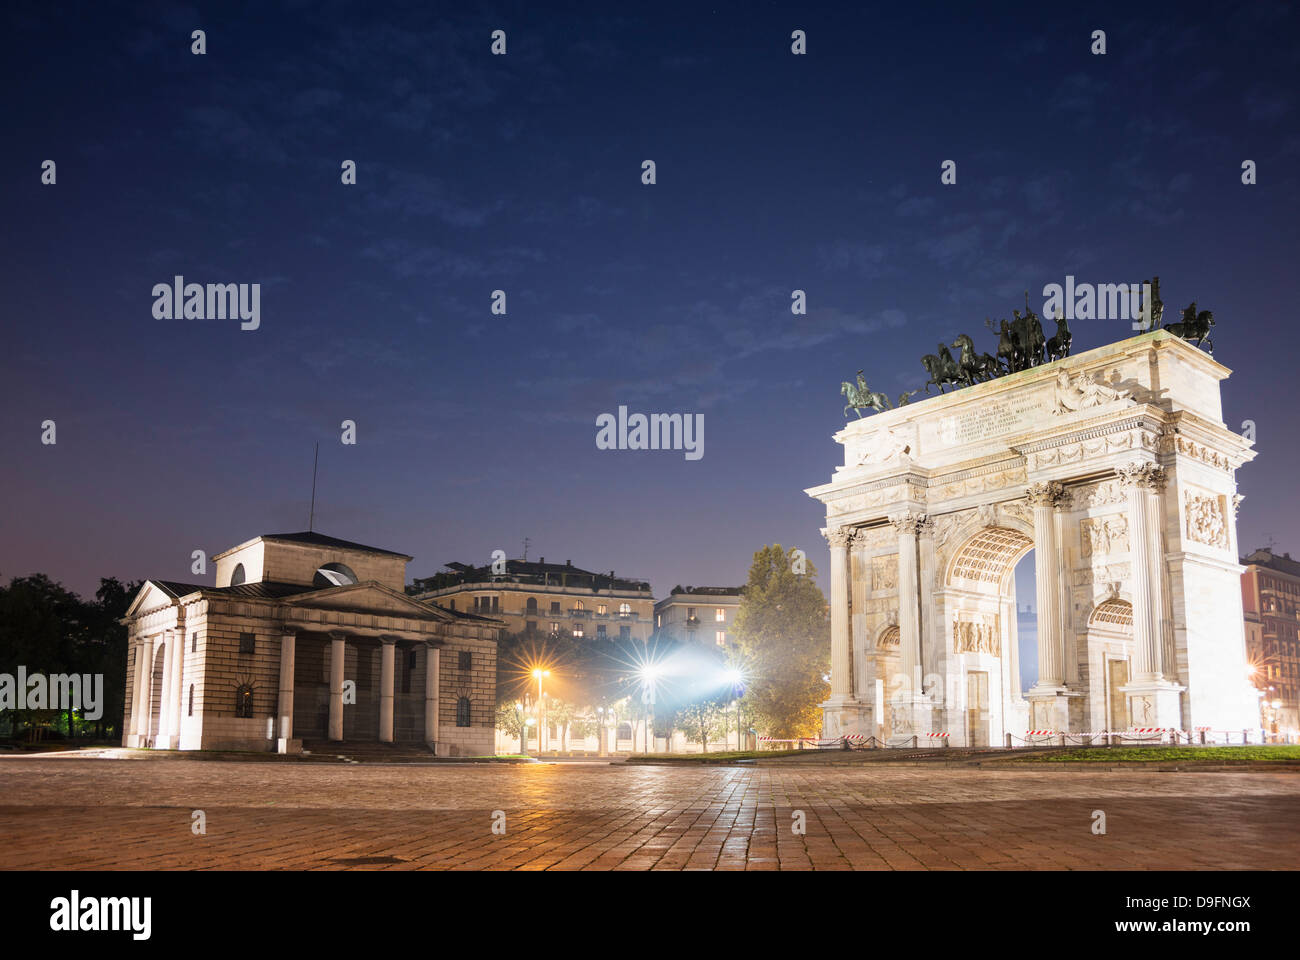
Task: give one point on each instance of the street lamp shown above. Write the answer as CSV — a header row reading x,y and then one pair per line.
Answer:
x,y
539,673
734,677
648,674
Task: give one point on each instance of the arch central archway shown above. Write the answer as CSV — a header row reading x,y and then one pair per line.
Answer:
x,y
1110,635
977,652
984,562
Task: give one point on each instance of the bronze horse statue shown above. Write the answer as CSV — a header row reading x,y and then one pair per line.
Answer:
x,y
975,367
1194,326
1059,344
860,397
942,368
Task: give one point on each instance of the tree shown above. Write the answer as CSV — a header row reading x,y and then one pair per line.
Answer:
x,y
562,713
703,720
783,631
513,721
107,641
49,630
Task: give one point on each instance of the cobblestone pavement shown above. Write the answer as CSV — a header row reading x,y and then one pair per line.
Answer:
x,y
113,814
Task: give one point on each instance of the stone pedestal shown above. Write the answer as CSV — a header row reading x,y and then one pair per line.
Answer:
x,y
912,716
846,716
1154,703
1049,708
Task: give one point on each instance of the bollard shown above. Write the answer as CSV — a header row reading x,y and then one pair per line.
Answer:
x,y
913,741
1202,738
1008,741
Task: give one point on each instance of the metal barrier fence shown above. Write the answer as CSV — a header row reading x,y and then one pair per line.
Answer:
x,y
857,741
1200,736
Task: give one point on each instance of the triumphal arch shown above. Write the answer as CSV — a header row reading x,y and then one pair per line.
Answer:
x,y
1116,468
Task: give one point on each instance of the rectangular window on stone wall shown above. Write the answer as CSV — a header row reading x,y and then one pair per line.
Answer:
x,y
406,673
244,700
466,660
625,633
194,643
246,643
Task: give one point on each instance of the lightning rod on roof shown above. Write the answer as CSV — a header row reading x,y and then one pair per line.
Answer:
x,y
311,517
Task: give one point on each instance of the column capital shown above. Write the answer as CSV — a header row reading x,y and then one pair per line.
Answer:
x,y
909,521
1050,493
388,639
337,634
1142,473
838,536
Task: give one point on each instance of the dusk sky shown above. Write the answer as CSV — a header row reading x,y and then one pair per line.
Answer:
x,y
522,173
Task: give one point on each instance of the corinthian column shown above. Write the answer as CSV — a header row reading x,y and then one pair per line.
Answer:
x,y
1144,482
841,679
1045,498
908,525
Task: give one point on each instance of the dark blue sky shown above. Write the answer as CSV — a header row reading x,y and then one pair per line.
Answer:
x,y
522,173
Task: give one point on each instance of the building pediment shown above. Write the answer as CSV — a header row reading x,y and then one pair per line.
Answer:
x,y
155,594
370,597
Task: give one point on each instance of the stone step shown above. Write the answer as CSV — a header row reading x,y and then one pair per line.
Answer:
x,y
363,751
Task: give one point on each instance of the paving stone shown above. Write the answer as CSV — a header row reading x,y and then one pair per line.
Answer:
x,y
135,815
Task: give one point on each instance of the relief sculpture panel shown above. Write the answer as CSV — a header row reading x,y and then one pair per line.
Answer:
x,y
1104,535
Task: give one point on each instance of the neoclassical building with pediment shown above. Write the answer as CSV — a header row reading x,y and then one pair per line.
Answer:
x,y
306,637
1116,468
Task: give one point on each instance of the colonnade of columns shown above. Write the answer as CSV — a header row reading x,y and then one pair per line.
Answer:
x,y
140,728
1144,482
387,672
167,735
910,528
